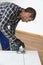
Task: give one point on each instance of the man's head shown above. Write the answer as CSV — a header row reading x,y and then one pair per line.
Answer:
x,y
28,14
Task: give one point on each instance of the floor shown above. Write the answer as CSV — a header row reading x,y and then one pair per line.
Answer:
x,y
32,42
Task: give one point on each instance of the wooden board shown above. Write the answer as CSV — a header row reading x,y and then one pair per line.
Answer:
x,y
13,58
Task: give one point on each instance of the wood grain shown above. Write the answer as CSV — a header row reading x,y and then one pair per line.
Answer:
x,y
32,42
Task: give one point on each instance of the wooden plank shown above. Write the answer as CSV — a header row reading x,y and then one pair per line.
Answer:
x,y
13,58
32,42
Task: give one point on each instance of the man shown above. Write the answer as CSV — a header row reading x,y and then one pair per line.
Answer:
x,y
10,15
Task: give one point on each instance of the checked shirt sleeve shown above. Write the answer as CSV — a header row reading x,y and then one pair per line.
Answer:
x,y
8,19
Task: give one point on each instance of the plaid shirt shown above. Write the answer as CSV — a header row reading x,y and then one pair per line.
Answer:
x,y
9,18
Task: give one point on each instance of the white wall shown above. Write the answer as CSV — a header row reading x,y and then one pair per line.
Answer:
x,y
35,26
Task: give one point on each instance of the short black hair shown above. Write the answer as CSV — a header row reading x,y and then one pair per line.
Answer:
x,y
32,11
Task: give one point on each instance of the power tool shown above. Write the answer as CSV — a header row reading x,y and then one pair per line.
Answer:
x,y
18,46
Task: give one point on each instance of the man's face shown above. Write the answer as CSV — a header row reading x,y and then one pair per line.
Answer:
x,y
26,17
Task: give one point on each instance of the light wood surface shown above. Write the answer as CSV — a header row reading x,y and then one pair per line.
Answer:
x,y
32,42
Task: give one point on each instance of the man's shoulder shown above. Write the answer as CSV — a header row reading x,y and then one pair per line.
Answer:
x,y
3,4
9,3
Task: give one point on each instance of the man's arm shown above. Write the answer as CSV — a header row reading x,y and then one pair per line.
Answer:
x,y
6,26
